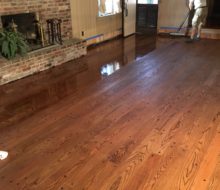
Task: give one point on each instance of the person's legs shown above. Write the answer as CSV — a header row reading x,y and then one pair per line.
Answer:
x,y
195,22
203,17
199,30
193,32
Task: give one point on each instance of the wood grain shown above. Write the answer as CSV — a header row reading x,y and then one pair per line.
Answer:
x,y
153,125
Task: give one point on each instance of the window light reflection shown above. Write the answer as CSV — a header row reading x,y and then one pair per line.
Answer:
x,y
110,68
3,155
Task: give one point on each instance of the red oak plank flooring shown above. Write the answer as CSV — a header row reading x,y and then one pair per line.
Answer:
x,y
152,125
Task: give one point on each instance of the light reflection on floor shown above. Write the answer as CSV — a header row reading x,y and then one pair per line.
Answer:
x,y
51,86
130,49
3,155
110,68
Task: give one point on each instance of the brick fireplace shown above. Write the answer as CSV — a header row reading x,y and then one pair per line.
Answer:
x,y
45,58
47,9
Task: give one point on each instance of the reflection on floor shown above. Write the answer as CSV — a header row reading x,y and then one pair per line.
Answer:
x,y
22,98
152,125
110,68
130,49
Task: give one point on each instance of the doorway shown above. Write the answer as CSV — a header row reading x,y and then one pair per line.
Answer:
x,y
213,20
147,16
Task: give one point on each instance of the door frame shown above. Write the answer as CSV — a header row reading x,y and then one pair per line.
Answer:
x,y
123,9
152,5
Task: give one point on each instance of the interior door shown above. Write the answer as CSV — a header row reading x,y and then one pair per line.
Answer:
x,y
147,15
129,17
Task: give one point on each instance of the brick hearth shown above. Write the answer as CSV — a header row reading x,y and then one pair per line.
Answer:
x,y
40,60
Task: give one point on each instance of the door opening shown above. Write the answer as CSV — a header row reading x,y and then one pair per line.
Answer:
x,y
147,16
213,20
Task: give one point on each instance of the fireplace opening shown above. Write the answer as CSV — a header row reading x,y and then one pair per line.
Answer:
x,y
26,24
32,28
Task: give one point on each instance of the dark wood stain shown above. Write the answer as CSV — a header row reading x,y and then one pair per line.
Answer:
x,y
153,124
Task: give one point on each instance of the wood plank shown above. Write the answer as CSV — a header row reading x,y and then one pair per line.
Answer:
x,y
152,125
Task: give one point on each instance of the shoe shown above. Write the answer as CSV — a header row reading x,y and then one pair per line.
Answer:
x,y
3,155
189,40
197,38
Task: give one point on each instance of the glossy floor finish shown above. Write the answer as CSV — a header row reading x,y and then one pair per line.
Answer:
x,y
22,98
154,124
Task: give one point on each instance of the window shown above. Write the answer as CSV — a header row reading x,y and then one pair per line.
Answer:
x,y
147,1
109,7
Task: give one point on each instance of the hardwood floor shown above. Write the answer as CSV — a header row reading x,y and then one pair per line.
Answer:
x,y
154,124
